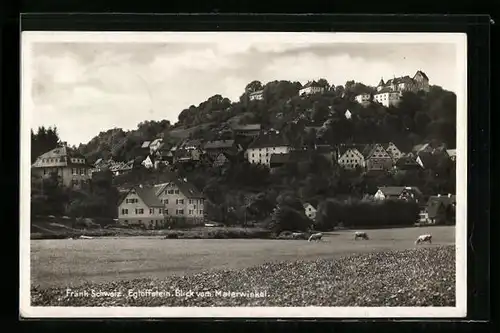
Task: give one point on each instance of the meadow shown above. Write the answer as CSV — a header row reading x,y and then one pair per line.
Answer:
x,y
71,263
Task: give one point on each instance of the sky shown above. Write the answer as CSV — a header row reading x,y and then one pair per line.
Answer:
x,y
86,88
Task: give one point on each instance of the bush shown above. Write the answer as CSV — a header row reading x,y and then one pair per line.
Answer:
x,y
288,218
366,214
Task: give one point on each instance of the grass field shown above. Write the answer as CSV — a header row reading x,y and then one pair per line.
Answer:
x,y
64,263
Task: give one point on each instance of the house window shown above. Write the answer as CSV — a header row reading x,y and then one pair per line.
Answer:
x,y
176,191
124,211
139,211
180,211
181,201
190,212
194,207
201,212
44,171
190,201
165,201
151,210
74,171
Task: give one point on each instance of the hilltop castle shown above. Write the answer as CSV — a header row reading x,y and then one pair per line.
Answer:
x,y
420,81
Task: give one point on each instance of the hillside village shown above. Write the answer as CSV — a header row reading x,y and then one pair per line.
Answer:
x,y
283,151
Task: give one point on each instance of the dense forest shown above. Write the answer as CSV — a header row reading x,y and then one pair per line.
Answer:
x,y
243,192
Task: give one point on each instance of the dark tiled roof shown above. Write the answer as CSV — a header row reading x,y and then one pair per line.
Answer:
x,y
429,160
435,203
392,190
248,127
219,144
280,159
61,157
311,84
147,195
269,140
187,188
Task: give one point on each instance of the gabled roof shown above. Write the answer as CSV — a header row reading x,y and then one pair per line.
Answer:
x,y
343,148
61,157
311,84
451,152
187,188
269,140
428,160
219,144
423,75
392,190
435,203
313,205
248,127
258,92
381,82
147,195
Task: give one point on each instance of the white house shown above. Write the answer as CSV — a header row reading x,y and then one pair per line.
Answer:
x,y
148,162
256,95
155,145
398,192
141,207
261,149
363,98
310,211
388,98
311,88
348,114
350,157
181,200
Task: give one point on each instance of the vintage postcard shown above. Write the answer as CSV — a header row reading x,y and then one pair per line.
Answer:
x,y
171,174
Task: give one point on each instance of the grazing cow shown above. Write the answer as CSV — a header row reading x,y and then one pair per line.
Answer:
x,y
424,238
315,237
360,234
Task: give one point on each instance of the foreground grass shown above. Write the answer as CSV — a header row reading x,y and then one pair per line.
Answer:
x,y
69,262
416,277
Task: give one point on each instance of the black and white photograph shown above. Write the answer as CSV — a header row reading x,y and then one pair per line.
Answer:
x,y
243,174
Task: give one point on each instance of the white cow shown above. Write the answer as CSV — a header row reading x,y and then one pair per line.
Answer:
x,y
360,234
315,237
424,238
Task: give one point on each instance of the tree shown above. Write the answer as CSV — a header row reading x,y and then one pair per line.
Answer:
x,y
254,86
289,219
320,112
44,140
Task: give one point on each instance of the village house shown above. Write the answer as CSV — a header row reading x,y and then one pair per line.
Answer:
x,y
310,88
363,98
280,160
387,98
376,157
261,149
440,209
350,157
371,157
310,211
398,192
181,199
220,160
407,163
155,145
256,95
393,151
249,130
141,207
420,81
214,148
71,166
452,153
148,162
